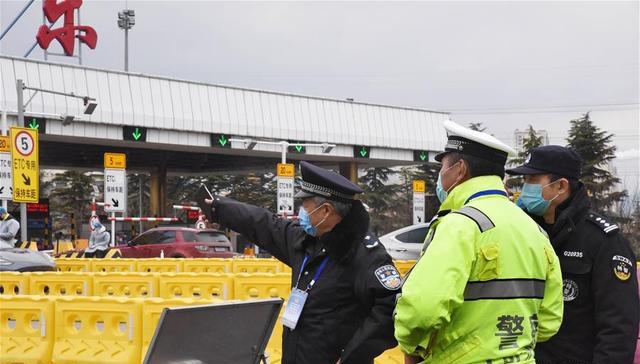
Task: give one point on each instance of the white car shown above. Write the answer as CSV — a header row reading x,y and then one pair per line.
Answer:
x,y
405,243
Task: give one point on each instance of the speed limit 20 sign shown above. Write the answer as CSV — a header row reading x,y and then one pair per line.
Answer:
x,y
26,165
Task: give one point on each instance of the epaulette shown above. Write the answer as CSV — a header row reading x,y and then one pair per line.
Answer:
x,y
603,223
371,242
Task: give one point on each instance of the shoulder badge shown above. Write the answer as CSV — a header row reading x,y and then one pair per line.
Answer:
x,y
603,223
622,267
389,277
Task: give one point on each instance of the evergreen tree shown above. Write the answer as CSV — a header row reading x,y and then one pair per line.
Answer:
x,y
381,196
532,140
71,193
594,146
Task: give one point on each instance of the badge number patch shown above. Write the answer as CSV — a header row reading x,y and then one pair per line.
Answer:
x,y
570,290
622,267
389,277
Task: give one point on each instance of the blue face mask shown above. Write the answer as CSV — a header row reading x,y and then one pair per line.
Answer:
x,y
304,218
441,193
531,199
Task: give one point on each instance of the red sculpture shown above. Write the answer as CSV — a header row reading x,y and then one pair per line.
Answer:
x,y
53,10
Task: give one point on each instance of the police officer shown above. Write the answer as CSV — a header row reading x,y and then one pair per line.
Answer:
x,y
8,228
598,267
487,285
98,241
343,281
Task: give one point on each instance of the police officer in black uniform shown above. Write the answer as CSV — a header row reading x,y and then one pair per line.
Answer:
x,y
343,281
601,306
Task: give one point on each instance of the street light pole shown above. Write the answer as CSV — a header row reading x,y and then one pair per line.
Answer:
x,y
126,21
23,206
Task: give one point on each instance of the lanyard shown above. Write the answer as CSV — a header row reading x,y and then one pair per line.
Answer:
x,y
315,276
486,193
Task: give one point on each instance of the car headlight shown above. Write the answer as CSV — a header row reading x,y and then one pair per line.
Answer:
x,y
202,248
5,262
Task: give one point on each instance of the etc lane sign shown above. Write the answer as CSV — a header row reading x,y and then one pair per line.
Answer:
x,y
419,188
285,172
115,182
26,165
6,182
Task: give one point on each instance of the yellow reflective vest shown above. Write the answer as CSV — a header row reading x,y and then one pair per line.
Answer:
x,y
487,286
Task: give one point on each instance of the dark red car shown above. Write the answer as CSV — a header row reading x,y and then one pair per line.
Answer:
x,y
178,242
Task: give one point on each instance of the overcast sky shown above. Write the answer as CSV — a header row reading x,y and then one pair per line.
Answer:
x,y
506,64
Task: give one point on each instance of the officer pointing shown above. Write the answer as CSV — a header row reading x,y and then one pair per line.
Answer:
x,y
488,285
343,281
601,308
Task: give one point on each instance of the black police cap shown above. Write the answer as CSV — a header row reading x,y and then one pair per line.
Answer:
x,y
554,159
318,181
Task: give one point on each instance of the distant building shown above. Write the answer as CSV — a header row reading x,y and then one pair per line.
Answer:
x,y
520,135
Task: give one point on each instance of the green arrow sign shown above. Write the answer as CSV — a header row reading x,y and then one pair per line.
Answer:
x,y
296,146
221,140
134,133
361,151
421,156
34,124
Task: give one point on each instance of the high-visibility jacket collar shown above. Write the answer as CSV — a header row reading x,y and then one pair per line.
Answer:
x,y
461,193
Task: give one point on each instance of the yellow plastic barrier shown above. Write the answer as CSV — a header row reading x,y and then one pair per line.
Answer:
x,y
391,356
62,246
60,283
114,265
197,285
152,309
252,265
404,266
125,284
261,285
13,283
160,265
285,268
26,329
213,265
97,330
73,265
274,346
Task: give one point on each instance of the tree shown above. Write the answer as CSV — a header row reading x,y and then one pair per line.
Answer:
x,y
381,197
532,140
477,126
594,146
71,193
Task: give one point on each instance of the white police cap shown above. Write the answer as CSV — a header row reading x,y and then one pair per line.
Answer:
x,y
475,143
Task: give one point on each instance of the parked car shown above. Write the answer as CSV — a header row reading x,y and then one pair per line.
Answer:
x,y
24,260
405,243
178,242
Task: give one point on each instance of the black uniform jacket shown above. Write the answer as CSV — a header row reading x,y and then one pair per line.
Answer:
x,y
601,308
348,313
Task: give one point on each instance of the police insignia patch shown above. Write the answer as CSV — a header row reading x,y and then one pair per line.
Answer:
x,y
570,290
389,277
622,267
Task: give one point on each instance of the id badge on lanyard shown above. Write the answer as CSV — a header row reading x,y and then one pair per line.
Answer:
x,y
298,297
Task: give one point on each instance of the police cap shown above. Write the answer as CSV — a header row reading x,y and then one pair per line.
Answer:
x,y
554,159
475,143
318,181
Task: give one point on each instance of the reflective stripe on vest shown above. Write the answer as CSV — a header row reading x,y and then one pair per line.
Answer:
x,y
504,289
482,220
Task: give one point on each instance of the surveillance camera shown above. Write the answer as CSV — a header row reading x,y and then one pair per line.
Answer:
x,y
89,106
66,119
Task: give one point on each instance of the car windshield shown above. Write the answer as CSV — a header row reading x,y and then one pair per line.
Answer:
x,y
210,237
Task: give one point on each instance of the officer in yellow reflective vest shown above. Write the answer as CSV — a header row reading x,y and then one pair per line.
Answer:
x,y
488,284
